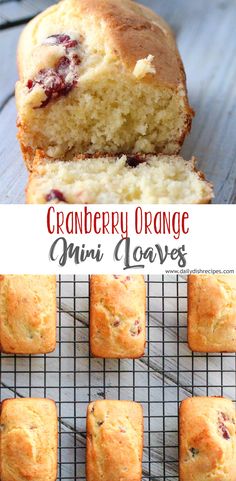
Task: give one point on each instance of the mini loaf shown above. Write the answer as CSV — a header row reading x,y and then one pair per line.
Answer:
x,y
117,316
114,441
28,440
212,313
100,76
27,314
118,180
207,439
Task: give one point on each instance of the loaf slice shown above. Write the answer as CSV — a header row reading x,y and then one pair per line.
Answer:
x,y
118,180
100,76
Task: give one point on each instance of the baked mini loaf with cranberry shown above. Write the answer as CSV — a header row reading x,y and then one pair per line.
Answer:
x,y
117,316
212,313
27,314
114,441
118,180
207,439
28,440
100,76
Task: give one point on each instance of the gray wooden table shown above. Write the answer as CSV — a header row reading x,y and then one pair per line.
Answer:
x,y
166,374
205,32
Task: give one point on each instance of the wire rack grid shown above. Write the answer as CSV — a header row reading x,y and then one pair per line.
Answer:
x,y
166,374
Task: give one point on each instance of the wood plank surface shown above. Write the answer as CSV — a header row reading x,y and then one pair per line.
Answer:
x,y
168,373
205,34
12,12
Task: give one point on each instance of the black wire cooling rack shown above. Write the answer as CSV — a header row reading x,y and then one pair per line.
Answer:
x,y
167,373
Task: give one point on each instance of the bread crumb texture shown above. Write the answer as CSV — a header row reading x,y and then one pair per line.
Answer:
x,y
28,440
143,67
212,313
126,179
114,441
100,75
207,439
27,314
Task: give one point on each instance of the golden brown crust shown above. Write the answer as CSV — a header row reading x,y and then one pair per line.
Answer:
x,y
114,441
117,316
136,32
212,313
28,440
133,30
27,314
207,439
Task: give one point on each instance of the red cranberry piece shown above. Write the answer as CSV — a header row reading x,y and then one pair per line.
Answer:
x,y
76,60
55,194
224,416
30,84
71,43
136,328
53,84
122,430
126,279
61,39
134,160
57,39
116,323
63,65
53,81
222,427
50,80
115,276
224,430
